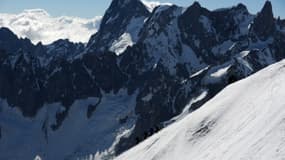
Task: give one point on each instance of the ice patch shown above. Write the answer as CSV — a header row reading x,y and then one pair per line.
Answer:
x,y
199,72
244,53
216,74
220,72
147,97
129,38
120,45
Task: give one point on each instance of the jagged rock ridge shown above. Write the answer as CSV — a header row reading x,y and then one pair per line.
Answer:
x,y
146,75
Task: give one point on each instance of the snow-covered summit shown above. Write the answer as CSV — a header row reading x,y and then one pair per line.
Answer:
x,y
171,62
119,27
151,5
244,121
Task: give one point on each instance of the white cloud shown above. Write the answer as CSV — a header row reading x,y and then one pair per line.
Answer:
x,y
152,4
38,25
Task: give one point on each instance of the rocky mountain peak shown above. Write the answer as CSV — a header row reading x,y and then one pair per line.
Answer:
x,y
64,48
195,7
267,8
123,8
123,3
171,62
266,12
196,4
6,34
11,43
241,6
195,11
128,17
264,23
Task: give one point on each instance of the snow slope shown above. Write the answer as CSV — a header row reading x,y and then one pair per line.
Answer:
x,y
26,138
246,121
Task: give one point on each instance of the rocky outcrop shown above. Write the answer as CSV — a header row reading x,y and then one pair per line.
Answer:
x,y
64,48
11,44
264,23
123,16
180,59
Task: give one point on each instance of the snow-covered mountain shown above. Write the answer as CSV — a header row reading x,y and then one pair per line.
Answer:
x,y
13,45
244,121
119,27
153,68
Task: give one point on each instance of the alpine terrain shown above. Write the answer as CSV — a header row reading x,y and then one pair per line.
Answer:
x,y
244,121
146,68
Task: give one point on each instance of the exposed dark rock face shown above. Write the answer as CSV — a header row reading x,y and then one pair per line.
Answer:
x,y
91,109
194,26
64,48
115,22
60,48
11,44
28,86
204,29
180,57
264,23
20,85
210,29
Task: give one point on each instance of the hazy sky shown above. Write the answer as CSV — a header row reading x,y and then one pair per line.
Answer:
x,y
91,8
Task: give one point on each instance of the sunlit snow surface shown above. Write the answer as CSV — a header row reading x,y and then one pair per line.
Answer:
x,y
130,37
152,4
245,121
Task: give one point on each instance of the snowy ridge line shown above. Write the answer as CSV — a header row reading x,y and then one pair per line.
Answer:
x,y
244,121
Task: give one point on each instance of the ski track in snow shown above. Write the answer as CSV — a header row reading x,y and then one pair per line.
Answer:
x,y
246,121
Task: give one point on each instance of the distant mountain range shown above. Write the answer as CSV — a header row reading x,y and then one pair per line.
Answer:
x,y
39,26
143,70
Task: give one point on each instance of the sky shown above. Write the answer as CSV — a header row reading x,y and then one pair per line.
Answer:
x,y
91,8
49,20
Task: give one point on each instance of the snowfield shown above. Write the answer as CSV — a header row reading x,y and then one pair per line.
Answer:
x,y
245,121
33,138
